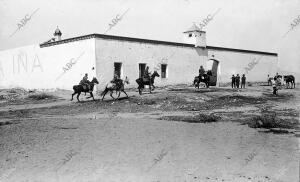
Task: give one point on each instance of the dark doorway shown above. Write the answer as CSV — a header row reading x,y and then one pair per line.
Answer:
x,y
163,71
214,69
142,67
117,70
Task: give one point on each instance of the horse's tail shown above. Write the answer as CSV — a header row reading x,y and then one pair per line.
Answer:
x,y
75,88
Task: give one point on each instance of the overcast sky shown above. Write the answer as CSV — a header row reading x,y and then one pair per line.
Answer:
x,y
244,24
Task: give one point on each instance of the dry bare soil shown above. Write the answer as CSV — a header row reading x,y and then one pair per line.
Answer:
x,y
175,134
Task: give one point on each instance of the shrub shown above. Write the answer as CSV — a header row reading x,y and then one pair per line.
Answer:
x,y
41,96
200,118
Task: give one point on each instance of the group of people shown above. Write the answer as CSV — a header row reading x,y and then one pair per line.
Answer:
x,y
236,80
116,80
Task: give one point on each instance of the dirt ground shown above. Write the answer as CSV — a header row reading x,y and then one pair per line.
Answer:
x,y
175,134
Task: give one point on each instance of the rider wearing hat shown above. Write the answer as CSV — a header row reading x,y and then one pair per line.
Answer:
x,y
85,82
201,71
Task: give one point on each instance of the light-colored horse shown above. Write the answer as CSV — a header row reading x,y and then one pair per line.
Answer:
x,y
111,87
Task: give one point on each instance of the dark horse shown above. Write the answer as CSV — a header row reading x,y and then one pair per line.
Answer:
x,y
289,79
79,88
205,79
142,83
119,87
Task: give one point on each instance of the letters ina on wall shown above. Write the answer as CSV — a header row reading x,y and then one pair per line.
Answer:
x,y
21,64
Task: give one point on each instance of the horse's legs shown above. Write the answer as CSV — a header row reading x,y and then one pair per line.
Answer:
x,y
91,93
105,92
73,95
78,96
111,92
140,89
125,93
294,84
153,87
119,94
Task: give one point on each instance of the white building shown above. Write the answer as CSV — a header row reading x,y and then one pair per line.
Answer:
x,y
61,63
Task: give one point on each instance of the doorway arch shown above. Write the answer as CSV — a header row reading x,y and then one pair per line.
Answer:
x,y
212,64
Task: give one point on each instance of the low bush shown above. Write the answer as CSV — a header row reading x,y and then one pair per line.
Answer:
x,y
41,96
200,118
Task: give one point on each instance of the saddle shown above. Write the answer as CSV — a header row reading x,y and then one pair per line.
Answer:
x,y
198,77
117,83
146,79
86,87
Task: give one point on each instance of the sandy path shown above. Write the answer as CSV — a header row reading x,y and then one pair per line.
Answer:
x,y
141,148
105,144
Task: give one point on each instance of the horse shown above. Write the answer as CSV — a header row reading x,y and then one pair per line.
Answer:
x,y
205,79
119,87
289,79
150,82
79,88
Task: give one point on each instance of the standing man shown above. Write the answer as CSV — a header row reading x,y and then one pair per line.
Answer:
x,y
243,81
237,81
233,81
275,85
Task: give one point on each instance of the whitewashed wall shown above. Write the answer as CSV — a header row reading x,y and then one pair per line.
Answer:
x,y
239,63
183,62
33,67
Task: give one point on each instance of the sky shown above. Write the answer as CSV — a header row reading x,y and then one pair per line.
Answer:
x,y
242,24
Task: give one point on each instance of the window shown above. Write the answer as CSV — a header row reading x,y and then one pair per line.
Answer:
x,y
190,35
142,67
117,69
163,71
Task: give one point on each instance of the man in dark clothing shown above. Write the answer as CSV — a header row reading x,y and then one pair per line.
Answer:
x,y
233,81
243,81
147,74
116,80
237,81
201,71
85,82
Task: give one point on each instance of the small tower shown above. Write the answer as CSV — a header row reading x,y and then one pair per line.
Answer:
x,y
57,34
195,36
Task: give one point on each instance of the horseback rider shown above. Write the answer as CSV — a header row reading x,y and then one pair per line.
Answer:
x,y
116,80
85,82
201,72
147,74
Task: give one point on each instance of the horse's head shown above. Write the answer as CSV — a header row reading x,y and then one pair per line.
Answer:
x,y
94,80
155,74
126,80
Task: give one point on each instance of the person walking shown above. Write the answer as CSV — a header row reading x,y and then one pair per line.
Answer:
x,y
233,81
237,81
275,85
243,81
